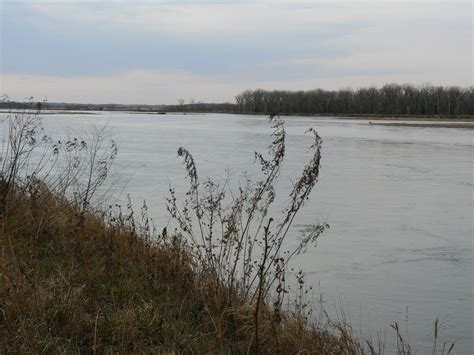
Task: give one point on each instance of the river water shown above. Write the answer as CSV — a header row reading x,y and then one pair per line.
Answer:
x,y
399,201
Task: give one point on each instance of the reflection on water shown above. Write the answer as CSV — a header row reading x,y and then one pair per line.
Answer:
x,y
399,201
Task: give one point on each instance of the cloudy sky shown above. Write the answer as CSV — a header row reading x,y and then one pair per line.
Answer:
x,y
160,51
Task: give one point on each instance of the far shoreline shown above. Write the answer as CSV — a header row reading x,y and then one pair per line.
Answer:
x,y
374,117
436,121
50,112
426,125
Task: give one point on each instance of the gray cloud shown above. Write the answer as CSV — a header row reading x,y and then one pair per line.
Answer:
x,y
209,50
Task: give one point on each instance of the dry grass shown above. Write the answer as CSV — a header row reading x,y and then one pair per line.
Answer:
x,y
68,286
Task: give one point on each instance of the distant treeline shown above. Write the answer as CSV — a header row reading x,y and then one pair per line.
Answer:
x,y
391,99
226,107
32,104
191,107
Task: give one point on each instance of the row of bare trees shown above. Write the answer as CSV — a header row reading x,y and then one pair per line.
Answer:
x,y
391,99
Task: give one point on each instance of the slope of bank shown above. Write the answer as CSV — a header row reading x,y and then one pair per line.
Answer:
x,y
72,282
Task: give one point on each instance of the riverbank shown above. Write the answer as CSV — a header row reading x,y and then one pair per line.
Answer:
x,y
50,112
378,117
427,125
72,282
430,118
161,110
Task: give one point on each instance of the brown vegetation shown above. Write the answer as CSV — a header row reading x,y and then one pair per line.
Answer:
x,y
68,286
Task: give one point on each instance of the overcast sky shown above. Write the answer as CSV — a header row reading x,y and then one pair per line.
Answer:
x,y
160,51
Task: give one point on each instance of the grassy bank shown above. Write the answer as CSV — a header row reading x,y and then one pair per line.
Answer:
x,y
79,284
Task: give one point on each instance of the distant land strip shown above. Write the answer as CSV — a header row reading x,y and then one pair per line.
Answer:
x,y
426,125
393,101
